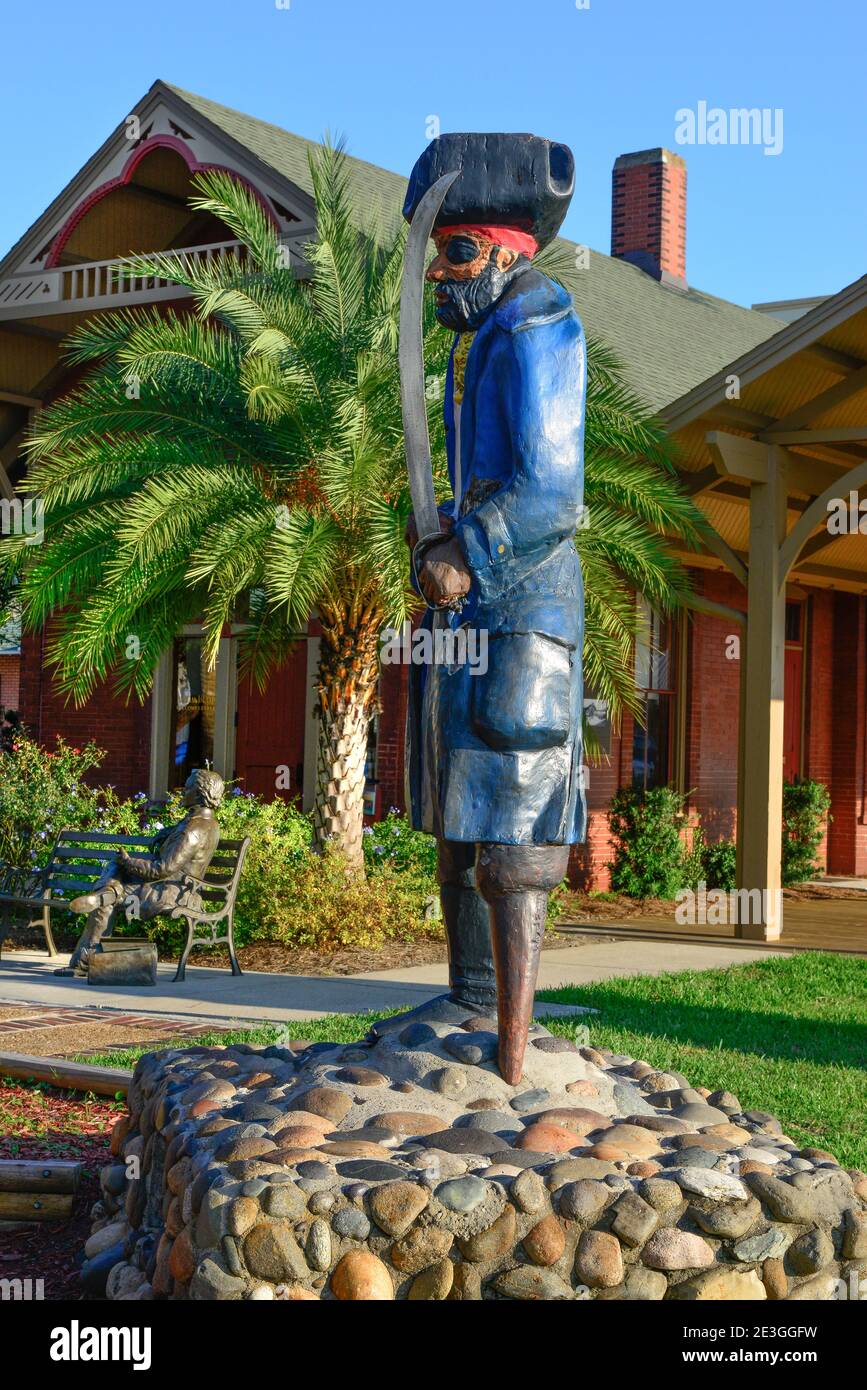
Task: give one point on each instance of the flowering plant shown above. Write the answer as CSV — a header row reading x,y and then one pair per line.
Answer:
x,y
45,791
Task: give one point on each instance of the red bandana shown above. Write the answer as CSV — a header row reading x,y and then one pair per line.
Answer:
x,y
509,237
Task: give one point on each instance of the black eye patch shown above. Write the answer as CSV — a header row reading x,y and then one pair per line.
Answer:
x,y
461,250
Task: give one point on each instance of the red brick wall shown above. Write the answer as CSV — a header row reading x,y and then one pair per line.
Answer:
x,y
713,702
834,744
819,704
588,865
847,836
123,730
9,681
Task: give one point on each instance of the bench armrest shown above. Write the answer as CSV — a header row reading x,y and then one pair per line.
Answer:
x,y
207,911
199,885
31,878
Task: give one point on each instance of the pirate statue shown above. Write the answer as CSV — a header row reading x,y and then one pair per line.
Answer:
x,y
150,886
494,758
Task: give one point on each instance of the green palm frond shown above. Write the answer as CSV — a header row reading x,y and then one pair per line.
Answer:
x,y
302,561
236,205
266,640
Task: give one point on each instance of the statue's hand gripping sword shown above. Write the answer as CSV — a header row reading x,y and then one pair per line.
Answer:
x,y
412,378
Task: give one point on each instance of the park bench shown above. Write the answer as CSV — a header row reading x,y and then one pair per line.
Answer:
x,y
78,859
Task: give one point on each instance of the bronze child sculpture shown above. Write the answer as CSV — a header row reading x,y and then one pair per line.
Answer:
x,y
494,764
156,882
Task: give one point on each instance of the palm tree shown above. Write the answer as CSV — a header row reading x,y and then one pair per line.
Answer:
x,y
244,462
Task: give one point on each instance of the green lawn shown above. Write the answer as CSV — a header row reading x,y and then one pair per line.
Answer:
x,y
788,1035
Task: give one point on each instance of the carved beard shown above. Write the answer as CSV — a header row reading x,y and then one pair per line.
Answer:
x,y
470,301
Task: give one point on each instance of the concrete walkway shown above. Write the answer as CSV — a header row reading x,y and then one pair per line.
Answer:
x,y
603,960
215,996
854,885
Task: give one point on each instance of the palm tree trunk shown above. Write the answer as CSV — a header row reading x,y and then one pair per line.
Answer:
x,y
348,675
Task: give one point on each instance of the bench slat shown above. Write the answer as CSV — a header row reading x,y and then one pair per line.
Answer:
x,y
64,858
101,837
97,839
73,885
65,852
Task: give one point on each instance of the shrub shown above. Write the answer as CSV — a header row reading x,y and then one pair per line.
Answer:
x,y
719,864
693,864
325,910
805,818
393,843
648,849
558,900
709,866
43,792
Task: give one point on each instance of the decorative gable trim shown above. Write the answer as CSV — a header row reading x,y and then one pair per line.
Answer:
x,y
162,118
141,152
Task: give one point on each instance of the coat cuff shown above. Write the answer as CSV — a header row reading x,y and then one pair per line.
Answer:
x,y
484,538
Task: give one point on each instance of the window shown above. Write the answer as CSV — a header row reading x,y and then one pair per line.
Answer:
x,y
10,632
371,781
194,704
654,683
793,621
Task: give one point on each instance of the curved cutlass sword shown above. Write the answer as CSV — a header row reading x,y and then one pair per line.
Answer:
x,y
411,357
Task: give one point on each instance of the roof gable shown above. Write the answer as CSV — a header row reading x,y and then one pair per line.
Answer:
x,y
159,119
669,340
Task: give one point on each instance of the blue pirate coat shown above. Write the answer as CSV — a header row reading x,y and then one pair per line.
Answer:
x,y
495,755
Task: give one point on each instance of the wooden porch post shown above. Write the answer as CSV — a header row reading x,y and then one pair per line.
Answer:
x,y
760,830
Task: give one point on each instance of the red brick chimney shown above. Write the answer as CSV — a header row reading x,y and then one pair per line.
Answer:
x,y
648,213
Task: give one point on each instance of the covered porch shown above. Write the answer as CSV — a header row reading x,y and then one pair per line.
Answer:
x,y
774,450
816,924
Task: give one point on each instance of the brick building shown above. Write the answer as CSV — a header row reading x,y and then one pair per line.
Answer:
x,y
763,402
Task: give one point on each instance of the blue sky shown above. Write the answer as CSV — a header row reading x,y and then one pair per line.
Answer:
x,y
607,79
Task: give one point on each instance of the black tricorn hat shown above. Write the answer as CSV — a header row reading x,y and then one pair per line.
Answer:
x,y
521,181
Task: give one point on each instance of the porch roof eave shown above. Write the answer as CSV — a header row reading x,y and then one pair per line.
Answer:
x,y
803,334
800,397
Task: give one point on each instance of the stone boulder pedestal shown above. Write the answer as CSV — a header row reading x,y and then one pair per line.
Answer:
x,y
407,1168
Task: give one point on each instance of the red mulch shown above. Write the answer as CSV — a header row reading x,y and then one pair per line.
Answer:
x,y
44,1122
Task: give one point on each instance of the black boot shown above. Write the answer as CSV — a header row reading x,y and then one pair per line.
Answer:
x,y
472,983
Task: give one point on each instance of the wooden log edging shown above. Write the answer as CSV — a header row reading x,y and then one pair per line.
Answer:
x,y
37,1189
35,1206
39,1175
58,1071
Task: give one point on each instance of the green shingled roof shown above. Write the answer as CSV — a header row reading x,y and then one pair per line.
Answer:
x,y
669,340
